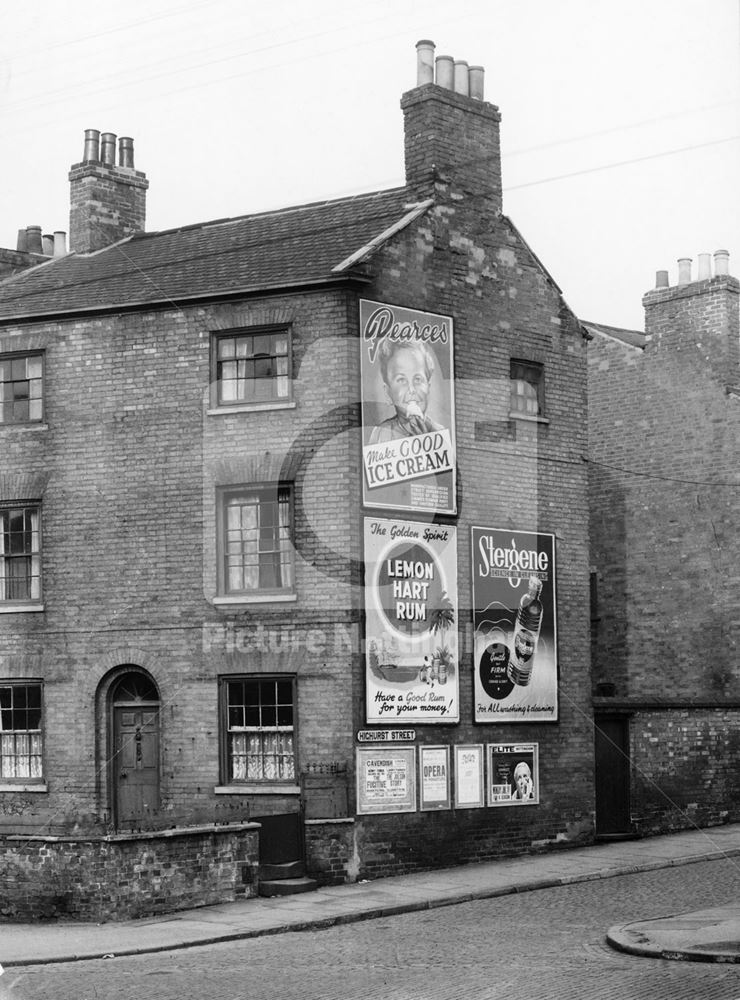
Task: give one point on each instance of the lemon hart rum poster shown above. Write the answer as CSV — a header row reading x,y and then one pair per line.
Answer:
x,y
411,622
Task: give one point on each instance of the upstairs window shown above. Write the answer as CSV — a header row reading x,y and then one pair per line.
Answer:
x,y
21,388
256,538
20,732
527,389
252,367
259,732
20,553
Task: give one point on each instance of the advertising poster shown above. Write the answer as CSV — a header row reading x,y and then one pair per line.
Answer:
x,y
469,792
411,652
386,780
513,774
408,409
515,668
434,777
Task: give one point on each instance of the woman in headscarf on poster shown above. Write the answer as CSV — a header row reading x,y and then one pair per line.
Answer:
x,y
523,784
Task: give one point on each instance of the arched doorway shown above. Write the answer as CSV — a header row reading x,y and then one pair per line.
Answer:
x,y
134,739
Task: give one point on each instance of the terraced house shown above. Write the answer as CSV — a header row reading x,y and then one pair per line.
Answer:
x,y
294,564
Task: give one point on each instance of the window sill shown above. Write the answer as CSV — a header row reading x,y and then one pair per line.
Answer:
x,y
12,609
9,786
229,602
25,427
223,411
529,418
257,789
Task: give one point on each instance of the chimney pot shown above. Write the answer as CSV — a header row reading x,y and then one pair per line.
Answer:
x,y
661,279
705,266
424,62
445,72
22,243
108,149
475,78
92,146
721,262
33,235
684,270
60,243
126,151
47,242
462,85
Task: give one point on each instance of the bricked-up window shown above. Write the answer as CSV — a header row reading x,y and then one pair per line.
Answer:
x,y
257,547
259,717
21,388
252,367
20,731
527,388
20,553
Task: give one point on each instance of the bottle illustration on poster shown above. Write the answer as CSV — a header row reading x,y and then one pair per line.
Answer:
x,y
515,626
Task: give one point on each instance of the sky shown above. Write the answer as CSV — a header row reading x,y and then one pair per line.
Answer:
x,y
620,121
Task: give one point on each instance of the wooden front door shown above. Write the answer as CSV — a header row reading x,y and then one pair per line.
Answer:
x,y
135,764
612,776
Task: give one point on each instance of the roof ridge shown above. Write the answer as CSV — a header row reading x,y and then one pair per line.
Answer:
x,y
234,219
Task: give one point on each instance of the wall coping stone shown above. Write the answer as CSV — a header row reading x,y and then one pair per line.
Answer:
x,y
109,838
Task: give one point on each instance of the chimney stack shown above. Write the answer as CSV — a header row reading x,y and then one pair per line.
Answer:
x,y
107,201
699,318
451,134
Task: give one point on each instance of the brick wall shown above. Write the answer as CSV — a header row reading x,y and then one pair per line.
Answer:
x,y
122,878
686,768
663,442
465,260
663,439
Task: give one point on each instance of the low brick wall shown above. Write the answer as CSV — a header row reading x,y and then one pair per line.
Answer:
x,y
122,876
330,850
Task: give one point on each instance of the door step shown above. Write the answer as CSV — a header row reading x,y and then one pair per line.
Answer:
x,y
287,886
285,869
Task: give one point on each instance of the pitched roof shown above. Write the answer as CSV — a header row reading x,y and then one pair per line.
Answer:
x,y
634,338
284,248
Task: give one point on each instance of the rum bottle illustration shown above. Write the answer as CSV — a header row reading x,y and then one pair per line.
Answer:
x,y
526,634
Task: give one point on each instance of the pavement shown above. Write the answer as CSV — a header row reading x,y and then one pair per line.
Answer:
x,y
707,935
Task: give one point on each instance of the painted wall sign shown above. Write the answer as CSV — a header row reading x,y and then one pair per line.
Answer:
x,y
386,736
513,774
386,780
469,790
434,777
515,648
411,651
408,409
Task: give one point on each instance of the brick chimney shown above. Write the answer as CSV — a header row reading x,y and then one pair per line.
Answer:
x,y
699,315
107,201
451,134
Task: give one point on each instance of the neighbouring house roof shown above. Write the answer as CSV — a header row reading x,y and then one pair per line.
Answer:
x,y
290,247
635,338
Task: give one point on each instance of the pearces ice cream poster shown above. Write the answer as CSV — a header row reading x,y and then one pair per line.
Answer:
x,y
411,622
408,409
515,649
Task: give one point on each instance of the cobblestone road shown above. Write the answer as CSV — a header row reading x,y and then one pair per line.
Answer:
x,y
542,945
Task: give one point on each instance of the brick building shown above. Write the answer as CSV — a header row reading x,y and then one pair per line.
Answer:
x,y
241,627
663,446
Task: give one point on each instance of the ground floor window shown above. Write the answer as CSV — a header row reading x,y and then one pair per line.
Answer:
x,y
259,728
20,731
